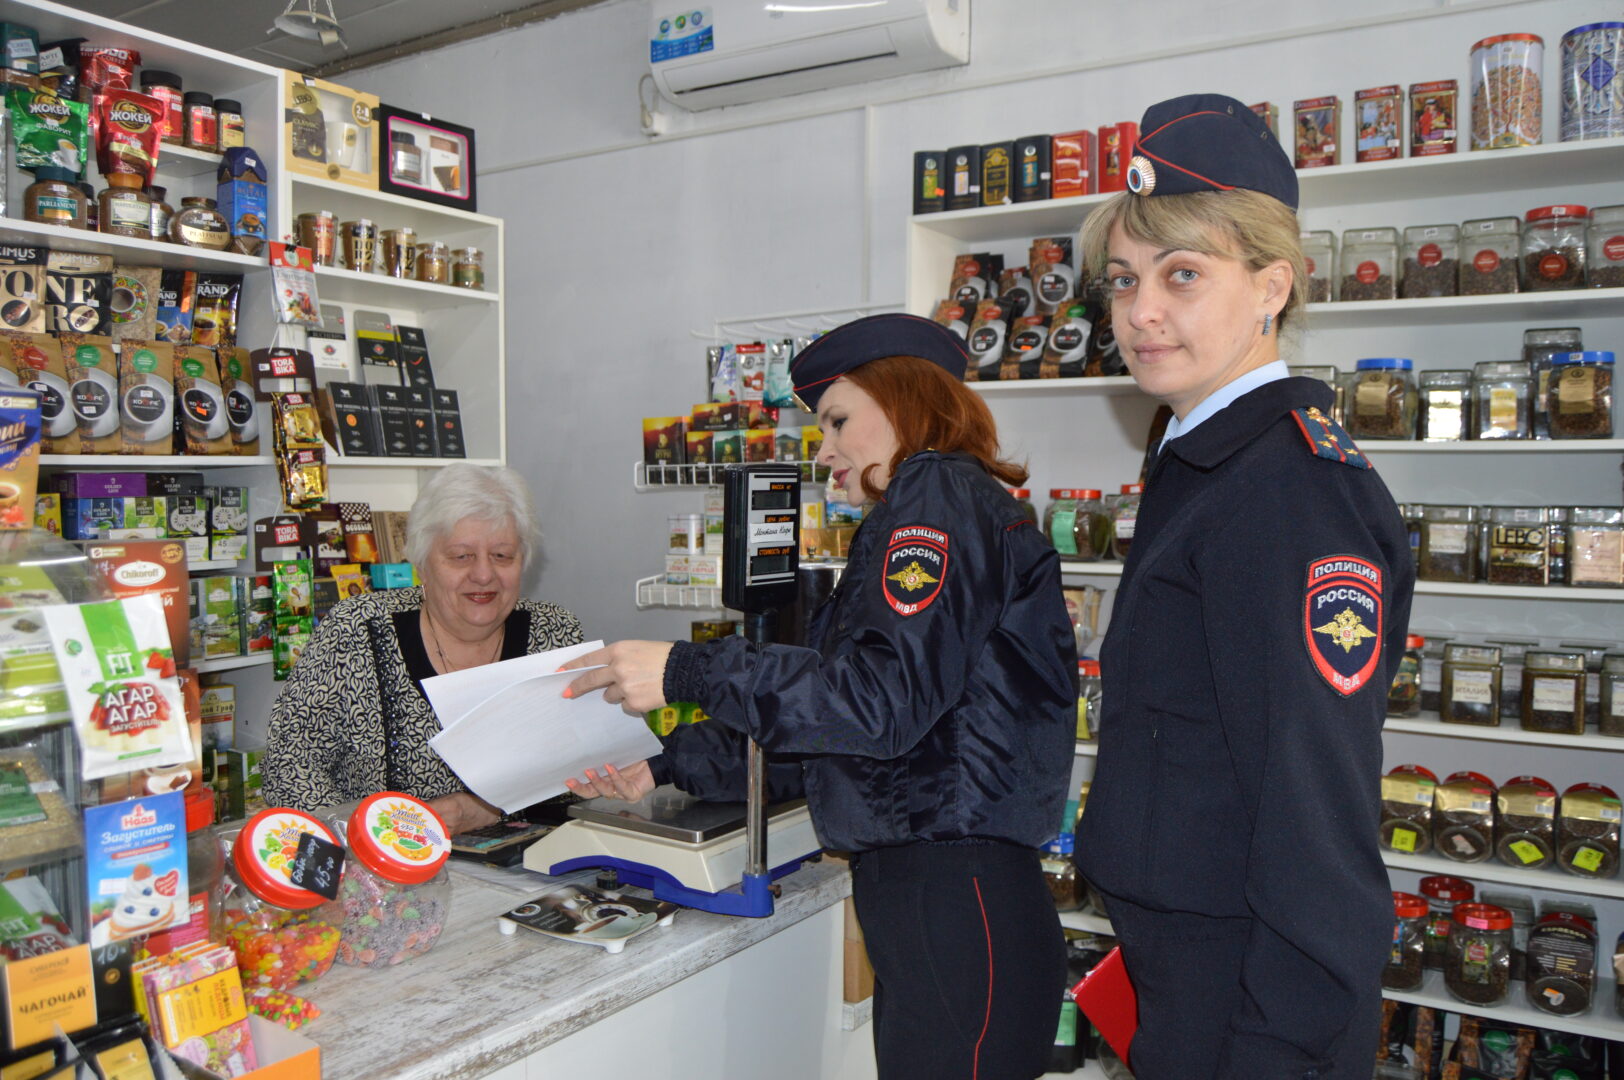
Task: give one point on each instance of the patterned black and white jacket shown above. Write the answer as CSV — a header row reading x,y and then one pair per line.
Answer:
x,y
352,721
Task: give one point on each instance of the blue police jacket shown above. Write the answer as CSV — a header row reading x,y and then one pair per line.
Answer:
x,y
939,703
1260,620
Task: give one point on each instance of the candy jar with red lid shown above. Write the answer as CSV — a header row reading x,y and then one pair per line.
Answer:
x,y
282,934
1477,959
1443,893
1407,960
396,891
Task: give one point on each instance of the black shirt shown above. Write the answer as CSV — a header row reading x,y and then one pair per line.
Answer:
x,y
414,650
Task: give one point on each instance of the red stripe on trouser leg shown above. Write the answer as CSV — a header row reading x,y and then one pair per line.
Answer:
x,y
975,1064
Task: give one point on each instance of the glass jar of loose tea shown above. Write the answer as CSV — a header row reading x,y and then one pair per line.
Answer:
x,y
1561,965
1444,893
1431,261
1471,685
1541,345
1404,696
1490,250
1553,247
1477,959
1612,695
1407,960
1605,235
1579,403
1596,546
1369,265
1124,516
1553,692
1407,809
1077,525
1382,399
1449,543
1463,817
1023,499
1503,399
1446,406
1525,827
1519,550
1587,826
1557,518
1089,698
1319,257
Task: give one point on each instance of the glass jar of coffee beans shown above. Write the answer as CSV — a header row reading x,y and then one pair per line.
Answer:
x,y
1605,261
1446,406
1489,252
1587,827
1519,546
1553,692
1382,400
1431,261
1503,393
1407,961
1369,265
1449,543
1579,402
1553,247
1319,257
1525,823
1472,678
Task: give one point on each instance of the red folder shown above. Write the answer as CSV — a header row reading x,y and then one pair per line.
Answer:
x,y
1106,997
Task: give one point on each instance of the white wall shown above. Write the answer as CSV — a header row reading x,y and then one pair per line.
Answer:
x,y
620,245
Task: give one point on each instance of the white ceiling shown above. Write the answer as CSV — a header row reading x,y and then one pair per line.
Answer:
x,y
239,26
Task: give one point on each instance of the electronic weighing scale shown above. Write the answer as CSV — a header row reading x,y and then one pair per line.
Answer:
x,y
711,856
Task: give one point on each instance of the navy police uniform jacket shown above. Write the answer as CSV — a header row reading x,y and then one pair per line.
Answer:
x,y
1262,613
939,703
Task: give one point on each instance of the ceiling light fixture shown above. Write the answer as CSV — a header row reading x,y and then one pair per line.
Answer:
x,y
310,23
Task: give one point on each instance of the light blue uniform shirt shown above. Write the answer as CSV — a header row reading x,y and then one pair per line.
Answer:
x,y
1230,391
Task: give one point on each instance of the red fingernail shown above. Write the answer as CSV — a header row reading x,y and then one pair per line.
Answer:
x,y
567,692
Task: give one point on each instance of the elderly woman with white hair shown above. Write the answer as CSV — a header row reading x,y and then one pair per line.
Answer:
x,y
353,719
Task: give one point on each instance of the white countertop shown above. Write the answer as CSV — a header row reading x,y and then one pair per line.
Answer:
x,y
480,1000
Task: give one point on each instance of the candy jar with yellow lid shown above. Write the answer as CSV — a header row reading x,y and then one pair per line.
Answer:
x,y
282,934
396,892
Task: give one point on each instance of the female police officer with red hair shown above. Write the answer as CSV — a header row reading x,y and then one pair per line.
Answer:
x,y
930,726
1232,820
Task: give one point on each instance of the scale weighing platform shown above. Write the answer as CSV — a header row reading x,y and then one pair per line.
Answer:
x,y
686,851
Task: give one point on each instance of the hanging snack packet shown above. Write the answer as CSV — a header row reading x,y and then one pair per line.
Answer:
x,y
304,478
298,422
120,673
127,130
780,392
726,384
48,131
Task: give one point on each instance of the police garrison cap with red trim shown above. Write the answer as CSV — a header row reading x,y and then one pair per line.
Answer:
x,y
873,338
1208,142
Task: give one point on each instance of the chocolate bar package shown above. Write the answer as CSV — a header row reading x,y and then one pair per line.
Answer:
x,y
420,414
350,419
360,542
448,425
394,419
412,348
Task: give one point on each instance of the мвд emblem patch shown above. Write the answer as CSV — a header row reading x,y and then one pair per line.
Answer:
x,y
1342,620
914,569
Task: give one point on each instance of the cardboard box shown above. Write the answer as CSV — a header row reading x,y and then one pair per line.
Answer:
x,y
222,618
48,513
229,524
259,619
350,420
139,567
139,518
218,705
330,131
241,195
243,782
95,485
392,575
394,420
677,569
448,441
420,417
19,457
189,524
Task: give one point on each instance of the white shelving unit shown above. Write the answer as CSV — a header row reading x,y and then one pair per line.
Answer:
x,y
233,663
1090,433
1600,1021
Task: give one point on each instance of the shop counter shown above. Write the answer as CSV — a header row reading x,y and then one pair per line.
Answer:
x,y
709,995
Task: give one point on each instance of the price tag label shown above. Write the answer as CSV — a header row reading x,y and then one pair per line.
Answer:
x,y
317,866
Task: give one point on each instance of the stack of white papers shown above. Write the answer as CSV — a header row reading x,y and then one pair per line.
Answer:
x,y
513,738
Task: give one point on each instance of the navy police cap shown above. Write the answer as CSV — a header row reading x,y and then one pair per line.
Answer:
x,y
872,338
1209,142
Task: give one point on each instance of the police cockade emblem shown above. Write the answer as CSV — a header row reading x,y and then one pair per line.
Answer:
x,y
915,567
1141,175
1342,619
1346,630
913,577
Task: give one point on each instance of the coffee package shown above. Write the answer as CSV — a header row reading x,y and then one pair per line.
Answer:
x,y
954,316
987,337
1054,281
176,295
214,309
19,457
1066,351
134,301
975,277
146,397
37,361
204,421
242,411
79,293
22,288
93,391
1023,355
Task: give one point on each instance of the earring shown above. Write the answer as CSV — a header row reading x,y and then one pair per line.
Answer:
x,y
1268,321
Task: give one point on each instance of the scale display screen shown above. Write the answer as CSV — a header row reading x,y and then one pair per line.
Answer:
x,y
775,499
761,534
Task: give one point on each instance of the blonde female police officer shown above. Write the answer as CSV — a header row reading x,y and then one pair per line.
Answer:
x,y
1232,820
